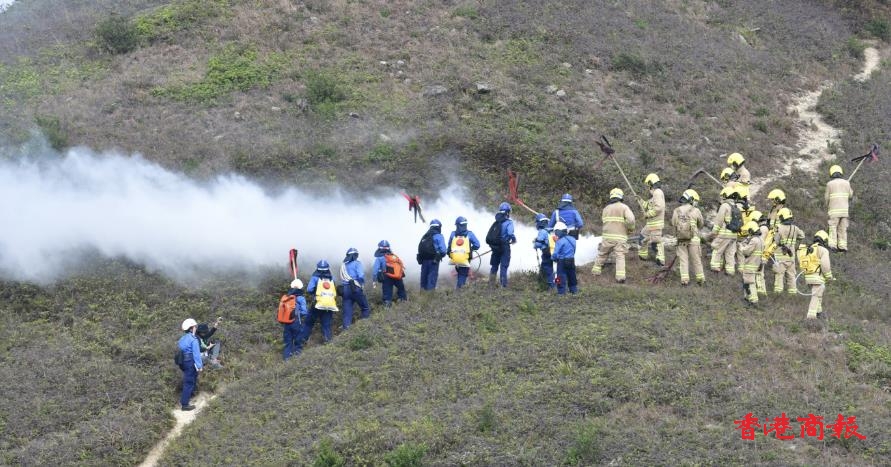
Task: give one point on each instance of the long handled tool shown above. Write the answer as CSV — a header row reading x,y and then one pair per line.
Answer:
x,y
872,156
607,148
513,184
699,172
414,204
292,262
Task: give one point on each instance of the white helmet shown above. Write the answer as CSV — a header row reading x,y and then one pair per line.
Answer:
x,y
560,226
187,324
296,284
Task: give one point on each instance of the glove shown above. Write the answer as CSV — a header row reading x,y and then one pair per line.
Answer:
x,y
642,204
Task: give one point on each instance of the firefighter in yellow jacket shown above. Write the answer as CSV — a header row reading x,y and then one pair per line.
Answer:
x,y
736,161
838,194
654,213
757,217
723,239
687,221
787,237
728,179
814,262
777,198
749,253
618,220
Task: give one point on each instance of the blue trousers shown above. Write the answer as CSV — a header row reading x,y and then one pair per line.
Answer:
x,y
291,333
315,315
352,294
546,270
387,289
190,380
566,274
499,262
462,276
429,274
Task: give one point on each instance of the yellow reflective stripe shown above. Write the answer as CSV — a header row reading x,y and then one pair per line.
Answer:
x,y
657,224
618,237
606,219
838,195
838,211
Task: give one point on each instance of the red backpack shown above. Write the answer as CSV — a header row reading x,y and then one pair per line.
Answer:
x,y
286,307
394,267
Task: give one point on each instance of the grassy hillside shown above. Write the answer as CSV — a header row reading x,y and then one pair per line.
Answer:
x,y
297,93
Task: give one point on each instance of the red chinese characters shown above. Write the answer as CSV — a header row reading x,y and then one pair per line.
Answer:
x,y
811,426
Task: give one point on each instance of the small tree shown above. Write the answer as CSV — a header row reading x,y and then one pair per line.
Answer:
x,y
116,35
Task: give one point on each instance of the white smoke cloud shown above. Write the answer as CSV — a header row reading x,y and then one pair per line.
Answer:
x,y
54,208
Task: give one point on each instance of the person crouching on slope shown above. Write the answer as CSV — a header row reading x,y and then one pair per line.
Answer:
x,y
352,277
431,250
292,315
190,362
321,285
389,271
462,243
749,252
617,220
564,255
500,238
545,242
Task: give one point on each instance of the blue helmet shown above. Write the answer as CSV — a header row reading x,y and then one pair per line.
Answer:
x,y
383,245
352,251
567,198
461,220
322,265
541,218
435,223
504,207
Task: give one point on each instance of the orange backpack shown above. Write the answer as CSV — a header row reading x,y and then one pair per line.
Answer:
x,y
286,309
394,267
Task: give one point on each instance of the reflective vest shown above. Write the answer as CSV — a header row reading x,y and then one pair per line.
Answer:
x,y
326,295
552,242
460,251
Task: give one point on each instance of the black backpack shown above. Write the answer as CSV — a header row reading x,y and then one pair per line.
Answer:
x,y
426,248
493,237
178,357
736,220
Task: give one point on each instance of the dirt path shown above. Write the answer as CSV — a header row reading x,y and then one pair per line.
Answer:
x,y
815,135
182,419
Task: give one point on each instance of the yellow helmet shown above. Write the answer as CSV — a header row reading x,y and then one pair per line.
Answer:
x,y
822,236
777,195
691,195
751,228
742,191
756,216
726,173
735,160
727,192
651,179
836,169
616,193
784,214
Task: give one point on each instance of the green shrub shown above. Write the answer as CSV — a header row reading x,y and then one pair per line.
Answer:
x,y
879,28
52,129
324,91
116,35
486,420
406,455
635,64
466,11
163,22
360,342
236,68
327,456
585,449
381,153
855,48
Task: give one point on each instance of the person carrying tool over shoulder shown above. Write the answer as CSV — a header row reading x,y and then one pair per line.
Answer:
x,y
814,262
728,178
838,194
736,161
758,218
654,213
564,255
569,215
352,278
431,250
545,242
687,221
787,238
500,237
617,220
389,271
749,252
777,200
292,314
461,245
722,237
321,286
